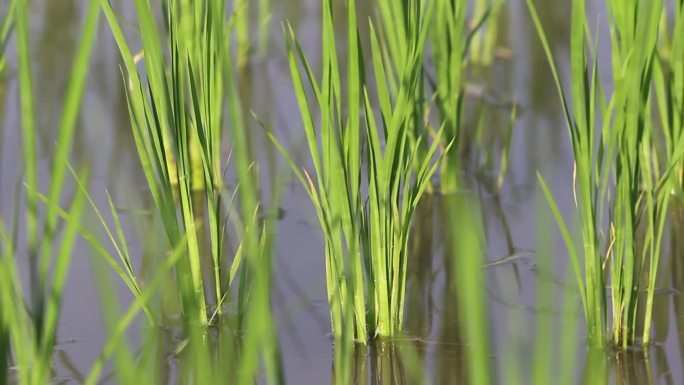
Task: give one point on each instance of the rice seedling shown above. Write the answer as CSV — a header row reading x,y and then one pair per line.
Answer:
x,y
616,170
449,47
452,50
637,169
399,22
161,129
179,106
179,103
365,236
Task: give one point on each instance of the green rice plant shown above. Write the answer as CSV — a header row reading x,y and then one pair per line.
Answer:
x,y
398,176
393,37
452,47
642,194
449,47
399,22
365,234
177,107
188,95
617,173
160,127
449,42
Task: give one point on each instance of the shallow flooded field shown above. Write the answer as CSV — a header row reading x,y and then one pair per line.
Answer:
x,y
315,191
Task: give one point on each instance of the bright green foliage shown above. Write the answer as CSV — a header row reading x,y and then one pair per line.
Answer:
x,y
453,45
616,170
397,175
365,234
449,47
177,113
177,117
642,195
400,24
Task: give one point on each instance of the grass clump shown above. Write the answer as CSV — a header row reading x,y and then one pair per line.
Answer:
x,y
181,97
364,208
440,80
449,47
616,172
183,105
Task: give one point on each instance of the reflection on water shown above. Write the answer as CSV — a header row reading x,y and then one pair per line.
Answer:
x,y
420,277
542,137
677,272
